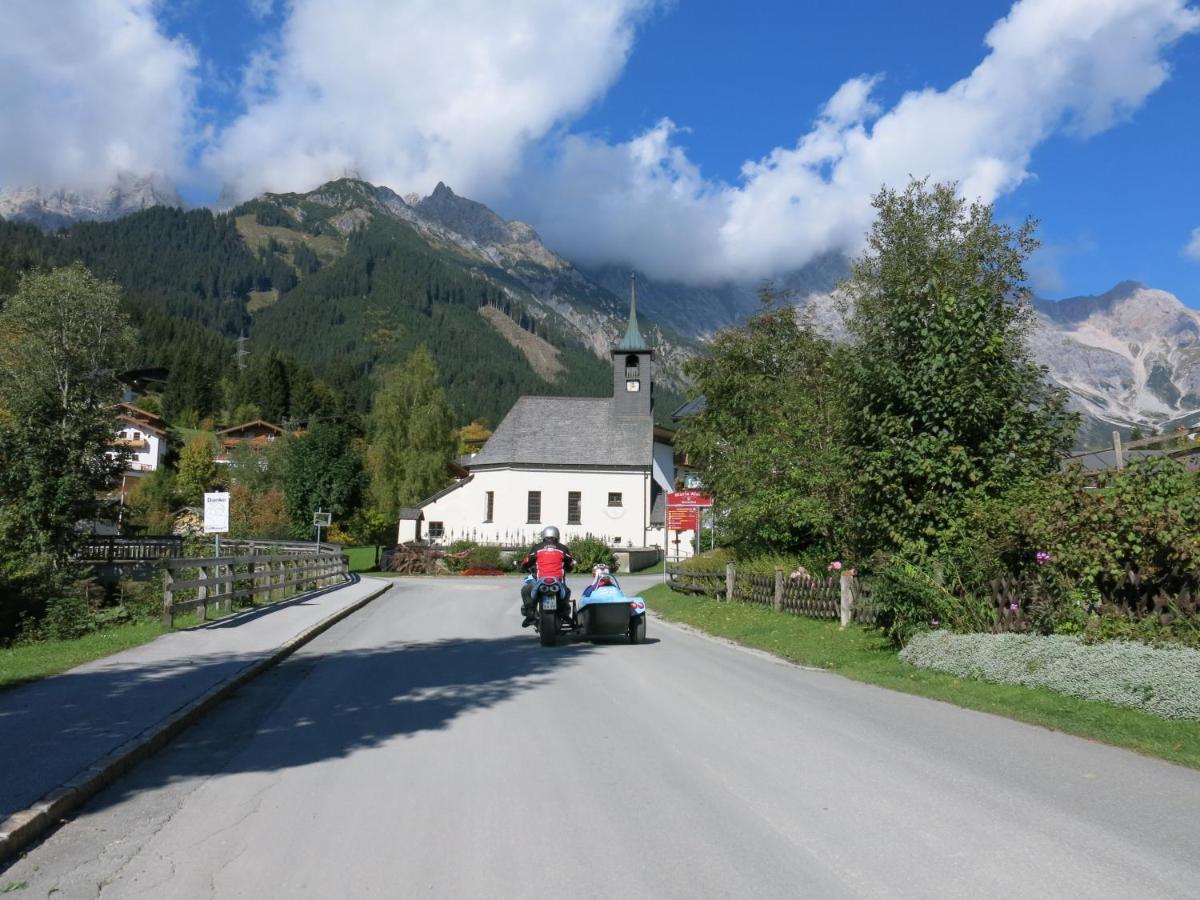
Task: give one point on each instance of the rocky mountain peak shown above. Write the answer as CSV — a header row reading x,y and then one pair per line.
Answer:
x,y
51,208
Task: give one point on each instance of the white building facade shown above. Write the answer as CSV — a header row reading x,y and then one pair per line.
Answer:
x,y
143,437
589,466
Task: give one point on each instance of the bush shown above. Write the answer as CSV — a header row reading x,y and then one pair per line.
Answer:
x,y
141,601
68,617
1164,681
911,597
590,551
485,557
709,561
465,547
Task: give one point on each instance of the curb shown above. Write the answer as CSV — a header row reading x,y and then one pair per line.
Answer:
x,y
22,828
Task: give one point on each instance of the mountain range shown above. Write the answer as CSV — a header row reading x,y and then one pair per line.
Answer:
x,y
50,209
1130,358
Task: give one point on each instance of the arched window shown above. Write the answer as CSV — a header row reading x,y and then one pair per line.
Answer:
x,y
631,366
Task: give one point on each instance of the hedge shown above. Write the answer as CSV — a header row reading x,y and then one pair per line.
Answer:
x,y
1164,681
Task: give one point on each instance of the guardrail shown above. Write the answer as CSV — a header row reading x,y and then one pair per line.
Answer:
x,y
220,580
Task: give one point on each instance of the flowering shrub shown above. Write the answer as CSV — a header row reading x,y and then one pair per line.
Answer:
x,y
1164,681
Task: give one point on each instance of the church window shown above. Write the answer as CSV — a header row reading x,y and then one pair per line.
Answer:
x,y
574,511
437,531
614,498
489,506
632,369
535,508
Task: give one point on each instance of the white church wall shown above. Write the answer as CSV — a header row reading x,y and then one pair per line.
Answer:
x,y
461,513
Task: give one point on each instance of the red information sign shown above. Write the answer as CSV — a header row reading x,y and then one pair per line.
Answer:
x,y
690,499
683,509
683,518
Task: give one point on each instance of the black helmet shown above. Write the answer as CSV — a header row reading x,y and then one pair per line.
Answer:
x,y
549,533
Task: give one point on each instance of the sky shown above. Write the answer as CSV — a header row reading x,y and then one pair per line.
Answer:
x,y
695,139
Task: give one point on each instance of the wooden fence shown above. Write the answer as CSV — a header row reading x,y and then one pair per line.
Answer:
x,y
843,597
214,583
112,549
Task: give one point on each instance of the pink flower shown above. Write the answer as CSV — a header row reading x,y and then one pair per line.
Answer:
x,y
1043,557
835,566
935,622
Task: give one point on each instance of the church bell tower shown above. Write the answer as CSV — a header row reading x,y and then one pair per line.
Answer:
x,y
633,384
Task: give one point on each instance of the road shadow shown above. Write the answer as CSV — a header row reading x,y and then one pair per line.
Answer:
x,y
351,700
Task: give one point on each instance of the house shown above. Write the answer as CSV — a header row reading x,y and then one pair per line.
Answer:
x,y
258,434
141,434
590,465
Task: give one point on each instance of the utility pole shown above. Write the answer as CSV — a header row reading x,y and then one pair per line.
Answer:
x,y
241,353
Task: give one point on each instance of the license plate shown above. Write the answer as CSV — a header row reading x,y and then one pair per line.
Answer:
x,y
549,603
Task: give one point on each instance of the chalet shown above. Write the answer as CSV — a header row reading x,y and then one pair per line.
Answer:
x,y
258,435
143,436
590,465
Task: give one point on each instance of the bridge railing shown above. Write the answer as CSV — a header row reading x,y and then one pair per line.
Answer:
x,y
111,548
213,584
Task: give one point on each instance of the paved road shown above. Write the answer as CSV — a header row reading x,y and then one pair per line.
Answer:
x,y
428,747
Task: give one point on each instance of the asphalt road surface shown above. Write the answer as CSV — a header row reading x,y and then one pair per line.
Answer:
x,y
427,746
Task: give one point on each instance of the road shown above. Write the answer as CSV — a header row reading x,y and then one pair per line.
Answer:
x,y
427,746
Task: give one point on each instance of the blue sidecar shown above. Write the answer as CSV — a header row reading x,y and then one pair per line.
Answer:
x,y
605,611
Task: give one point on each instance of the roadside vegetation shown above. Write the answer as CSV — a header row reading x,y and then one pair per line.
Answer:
x,y
926,456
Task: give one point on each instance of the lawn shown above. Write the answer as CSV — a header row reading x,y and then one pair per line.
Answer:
x,y
864,655
362,559
29,662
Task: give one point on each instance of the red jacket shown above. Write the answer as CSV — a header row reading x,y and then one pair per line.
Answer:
x,y
548,559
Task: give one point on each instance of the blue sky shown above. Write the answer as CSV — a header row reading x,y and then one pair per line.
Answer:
x,y
622,128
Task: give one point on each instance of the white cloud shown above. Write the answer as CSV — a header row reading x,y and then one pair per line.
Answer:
x,y
1070,66
411,93
260,9
1192,250
89,89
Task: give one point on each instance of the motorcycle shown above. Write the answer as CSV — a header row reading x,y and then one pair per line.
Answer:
x,y
602,612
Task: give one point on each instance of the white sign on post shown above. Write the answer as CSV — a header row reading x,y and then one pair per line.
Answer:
x,y
216,513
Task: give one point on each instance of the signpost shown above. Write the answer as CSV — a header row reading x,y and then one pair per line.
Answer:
x,y
321,520
683,513
216,515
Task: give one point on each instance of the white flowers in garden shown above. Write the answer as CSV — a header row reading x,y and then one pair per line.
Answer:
x,y
1164,681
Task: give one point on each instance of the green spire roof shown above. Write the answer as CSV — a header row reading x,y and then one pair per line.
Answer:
x,y
633,342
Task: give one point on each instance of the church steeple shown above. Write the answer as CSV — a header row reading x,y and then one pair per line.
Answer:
x,y
633,342
633,389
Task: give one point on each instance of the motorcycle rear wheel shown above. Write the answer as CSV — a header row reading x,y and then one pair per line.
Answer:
x,y
548,627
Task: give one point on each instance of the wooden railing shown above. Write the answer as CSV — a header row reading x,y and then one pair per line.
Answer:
x,y
109,549
219,581
842,597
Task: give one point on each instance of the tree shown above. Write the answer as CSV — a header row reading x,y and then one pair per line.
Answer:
x,y
63,337
323,471
198,470
768,442
411,436
944,398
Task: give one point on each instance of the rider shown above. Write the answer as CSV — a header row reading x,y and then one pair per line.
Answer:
x,y
548,559
601,578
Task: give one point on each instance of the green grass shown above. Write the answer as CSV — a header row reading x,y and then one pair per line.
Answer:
x,y
656,569
29,662
362,559
864,655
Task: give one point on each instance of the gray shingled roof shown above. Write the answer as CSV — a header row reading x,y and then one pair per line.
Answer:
x,y
567,431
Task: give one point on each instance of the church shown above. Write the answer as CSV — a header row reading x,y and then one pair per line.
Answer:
x,y
595,466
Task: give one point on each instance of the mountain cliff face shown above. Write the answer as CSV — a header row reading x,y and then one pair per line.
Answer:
x,y
1129,357
52,209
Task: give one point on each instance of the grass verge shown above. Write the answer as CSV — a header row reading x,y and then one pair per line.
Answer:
x,y
29,662
864,655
